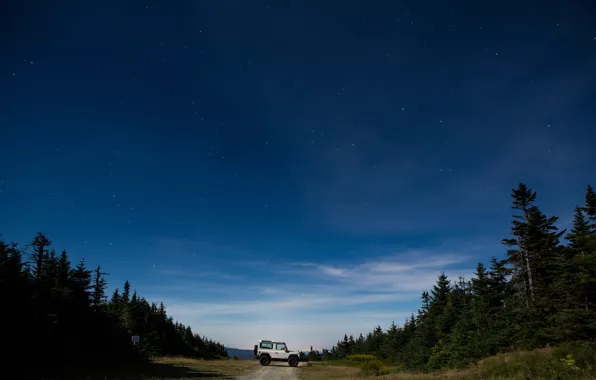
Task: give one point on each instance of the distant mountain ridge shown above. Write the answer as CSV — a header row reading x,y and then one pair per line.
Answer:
x,y
240,353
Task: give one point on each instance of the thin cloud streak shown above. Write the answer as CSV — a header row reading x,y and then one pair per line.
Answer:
x,y
314,303
300,331
299,303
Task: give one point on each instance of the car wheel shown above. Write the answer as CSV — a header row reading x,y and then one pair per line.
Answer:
x,y
293,361
264,360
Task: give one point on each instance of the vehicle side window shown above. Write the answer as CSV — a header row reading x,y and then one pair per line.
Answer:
x,y
280,346
267,345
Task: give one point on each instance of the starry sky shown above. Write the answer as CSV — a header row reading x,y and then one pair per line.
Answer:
x,y
290,170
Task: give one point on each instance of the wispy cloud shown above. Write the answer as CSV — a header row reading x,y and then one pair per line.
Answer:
x,y
298,302
309,303
409,271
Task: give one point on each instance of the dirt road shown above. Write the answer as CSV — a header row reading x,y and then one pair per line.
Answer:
x,y
273,372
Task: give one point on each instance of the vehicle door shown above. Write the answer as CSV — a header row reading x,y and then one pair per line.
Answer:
x,y
280,351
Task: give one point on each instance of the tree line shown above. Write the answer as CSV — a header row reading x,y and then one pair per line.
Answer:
x,y
542,293
56,316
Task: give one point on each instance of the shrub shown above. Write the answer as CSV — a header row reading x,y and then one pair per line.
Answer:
x,y
579,354
530,365
361,358
373,367
235,357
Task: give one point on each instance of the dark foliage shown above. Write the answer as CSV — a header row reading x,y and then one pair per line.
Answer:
x,y
57,319
542,293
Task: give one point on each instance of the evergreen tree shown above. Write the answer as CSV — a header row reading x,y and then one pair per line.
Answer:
x,y
590,206
520,258
99,288
578,266
541,293
63,320
40,253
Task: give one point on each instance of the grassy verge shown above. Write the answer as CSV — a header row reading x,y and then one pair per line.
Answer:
x,y
566,362
328,371
221,368
183,368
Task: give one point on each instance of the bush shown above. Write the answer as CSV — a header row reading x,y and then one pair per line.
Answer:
x,y
235,358
373,367
583,355
530,365
361,358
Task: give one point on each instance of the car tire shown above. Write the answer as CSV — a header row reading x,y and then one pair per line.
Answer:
x,y
293,361
264,360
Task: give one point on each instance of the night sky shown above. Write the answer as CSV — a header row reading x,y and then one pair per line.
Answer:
x,y
244,161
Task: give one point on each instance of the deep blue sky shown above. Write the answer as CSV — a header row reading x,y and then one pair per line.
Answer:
x,y
242,160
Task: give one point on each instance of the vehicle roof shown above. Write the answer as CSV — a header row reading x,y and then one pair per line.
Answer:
x,y
271,341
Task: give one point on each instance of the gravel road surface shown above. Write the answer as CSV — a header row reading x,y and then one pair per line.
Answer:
x,y
273,372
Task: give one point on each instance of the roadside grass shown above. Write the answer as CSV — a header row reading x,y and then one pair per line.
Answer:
x,y
182,368
570,361
221,368
328,371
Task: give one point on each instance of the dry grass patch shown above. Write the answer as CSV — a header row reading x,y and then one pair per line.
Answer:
x,y
338,372
568,361
217,368
180,368
326,371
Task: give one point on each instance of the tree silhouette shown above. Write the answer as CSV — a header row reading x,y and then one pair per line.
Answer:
x,y
59,315
542,293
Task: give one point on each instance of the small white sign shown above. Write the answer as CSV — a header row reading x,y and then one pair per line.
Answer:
x,y
136,339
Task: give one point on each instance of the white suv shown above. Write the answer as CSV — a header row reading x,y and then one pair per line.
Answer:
x,y
268,351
